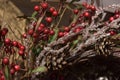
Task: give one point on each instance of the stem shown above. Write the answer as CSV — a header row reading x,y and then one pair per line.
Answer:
x,y
39,20
61,17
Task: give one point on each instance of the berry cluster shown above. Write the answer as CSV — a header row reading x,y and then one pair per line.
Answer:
x,y
44,35
9,52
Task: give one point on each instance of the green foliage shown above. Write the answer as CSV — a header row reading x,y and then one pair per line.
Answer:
x,y
6,73
53,38
36,50
39,69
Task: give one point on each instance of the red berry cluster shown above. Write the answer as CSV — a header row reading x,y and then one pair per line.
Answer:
x,y
64,31
10,46
9,49
43,5
86,13
14,68
115,16
41,33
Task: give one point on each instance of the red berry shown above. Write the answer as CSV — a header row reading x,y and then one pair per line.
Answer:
x,y
73,24
92,8
15,43
1,72
35,35
60,34
22,47
77,30
44,5
65,33
84,4
117,12
7,41
88,7
4,31
30,31
40,29
36,8
5,61
41,25
112,32
67,29
2,77
86,14
55,13
52,9
21,52
111,19
46,31
76,11
51,32
49,19
17,67
24,35
12,71
117,16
